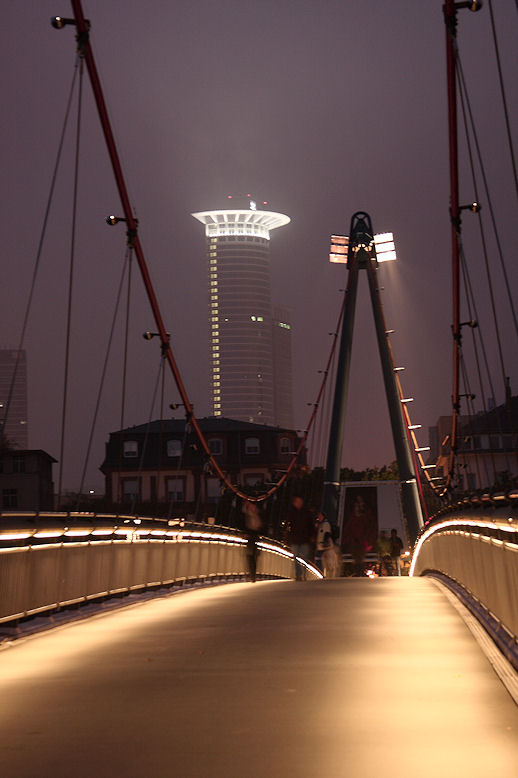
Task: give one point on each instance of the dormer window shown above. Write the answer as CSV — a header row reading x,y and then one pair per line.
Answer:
x,y
130,448
174,448
252,446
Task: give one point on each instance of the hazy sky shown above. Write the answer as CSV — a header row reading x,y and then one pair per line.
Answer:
x,y
322,108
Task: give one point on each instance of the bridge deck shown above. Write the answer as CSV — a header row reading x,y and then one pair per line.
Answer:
x,y
336,678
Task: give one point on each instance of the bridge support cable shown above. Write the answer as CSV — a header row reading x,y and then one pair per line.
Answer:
x,y
83,39
70,281
467,113
477,332
469,125
125,366
450,18
362,255
39,251
504,98
146,438
103,376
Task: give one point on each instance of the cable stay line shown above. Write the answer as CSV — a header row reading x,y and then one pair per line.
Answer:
x,y
103,374
39,251
70,280
463,91
489,279
125,363
504,98
477,330
146,435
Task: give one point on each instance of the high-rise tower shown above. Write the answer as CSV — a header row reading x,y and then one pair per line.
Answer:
x,y
241,323
13,398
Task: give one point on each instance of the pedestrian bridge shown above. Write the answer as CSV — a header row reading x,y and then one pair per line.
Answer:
x,y
279,678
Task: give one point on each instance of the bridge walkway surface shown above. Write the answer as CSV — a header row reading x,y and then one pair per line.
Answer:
x,y
351,677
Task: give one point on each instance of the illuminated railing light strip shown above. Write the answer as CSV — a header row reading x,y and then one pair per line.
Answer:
x,y
309,567
452,524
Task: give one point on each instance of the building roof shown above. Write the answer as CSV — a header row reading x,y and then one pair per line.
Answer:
x,y
234,455
26,451
234,221
208,424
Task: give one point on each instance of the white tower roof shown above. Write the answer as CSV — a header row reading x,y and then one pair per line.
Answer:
x,y
234,221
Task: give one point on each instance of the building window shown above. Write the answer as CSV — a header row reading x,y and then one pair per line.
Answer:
x,y
130,490
18,464
216,446
213,489
252,446
175,489
10,498
174,448
130,448
285,445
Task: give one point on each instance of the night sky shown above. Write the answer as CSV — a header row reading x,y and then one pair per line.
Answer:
x,y
322,108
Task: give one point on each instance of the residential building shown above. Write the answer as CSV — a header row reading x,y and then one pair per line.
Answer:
x,y
26,480
13,398
160,467
242,329
487,447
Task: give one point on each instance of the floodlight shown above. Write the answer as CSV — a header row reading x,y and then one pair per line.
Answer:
x,y
385,248
339,248
383,244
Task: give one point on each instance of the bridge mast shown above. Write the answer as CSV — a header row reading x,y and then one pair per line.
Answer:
x,y
362,255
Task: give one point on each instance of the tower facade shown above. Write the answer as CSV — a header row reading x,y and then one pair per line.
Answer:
x,y
14,428
241,323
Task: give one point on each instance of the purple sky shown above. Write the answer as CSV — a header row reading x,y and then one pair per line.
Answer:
x,y
321,108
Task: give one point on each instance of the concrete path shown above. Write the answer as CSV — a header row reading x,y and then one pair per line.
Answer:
x,y
350,678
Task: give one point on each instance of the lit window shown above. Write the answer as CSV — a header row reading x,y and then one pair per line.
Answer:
x,y
217,405
216,383
217,413
214,318
214,297
213,283
213,275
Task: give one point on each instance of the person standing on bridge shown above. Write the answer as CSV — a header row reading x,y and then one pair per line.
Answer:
x,y
300,533
396,547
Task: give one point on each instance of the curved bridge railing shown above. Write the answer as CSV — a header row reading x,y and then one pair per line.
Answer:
x,y
53,560
476,554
